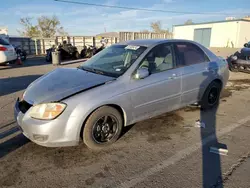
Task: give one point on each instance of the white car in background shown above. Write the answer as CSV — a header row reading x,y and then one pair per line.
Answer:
x,y
7,52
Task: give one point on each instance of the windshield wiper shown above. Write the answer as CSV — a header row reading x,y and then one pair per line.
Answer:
x,y
91,70
97,71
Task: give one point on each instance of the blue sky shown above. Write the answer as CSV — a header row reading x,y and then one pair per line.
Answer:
x,y
89,20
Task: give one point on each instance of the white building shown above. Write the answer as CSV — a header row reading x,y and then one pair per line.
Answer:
x,y
227,33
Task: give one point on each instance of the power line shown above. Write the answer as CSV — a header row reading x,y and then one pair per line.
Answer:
x,y
142,9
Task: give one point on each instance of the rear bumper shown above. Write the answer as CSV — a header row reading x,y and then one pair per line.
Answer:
x,y
4,57
49,133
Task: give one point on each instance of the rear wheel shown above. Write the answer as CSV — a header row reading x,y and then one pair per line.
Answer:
x,y
211,96
103,127
77,55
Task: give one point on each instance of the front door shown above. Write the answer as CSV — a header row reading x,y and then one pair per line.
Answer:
x,y
161,90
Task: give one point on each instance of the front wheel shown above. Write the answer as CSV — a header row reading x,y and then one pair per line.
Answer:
x,y
211,96
103,127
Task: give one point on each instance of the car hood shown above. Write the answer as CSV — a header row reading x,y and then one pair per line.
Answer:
x,y
61,83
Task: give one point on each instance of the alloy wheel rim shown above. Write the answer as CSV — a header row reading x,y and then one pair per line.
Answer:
x,y
105,128
213,96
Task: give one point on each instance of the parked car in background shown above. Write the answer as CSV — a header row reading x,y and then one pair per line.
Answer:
x,y
7,52
121,85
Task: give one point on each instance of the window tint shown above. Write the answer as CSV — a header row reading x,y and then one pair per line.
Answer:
x,y
3,42
190,54
160,58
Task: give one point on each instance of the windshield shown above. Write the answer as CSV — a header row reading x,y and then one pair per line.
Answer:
x,y
114,60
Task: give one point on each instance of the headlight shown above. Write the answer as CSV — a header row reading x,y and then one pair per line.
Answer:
x,y
47,111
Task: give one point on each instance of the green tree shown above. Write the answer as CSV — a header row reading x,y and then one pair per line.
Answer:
x,y
46,27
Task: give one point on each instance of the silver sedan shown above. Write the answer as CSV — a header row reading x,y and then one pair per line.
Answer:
x,y
121,85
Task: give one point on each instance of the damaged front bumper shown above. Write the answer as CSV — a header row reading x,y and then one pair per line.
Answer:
x,y
50,133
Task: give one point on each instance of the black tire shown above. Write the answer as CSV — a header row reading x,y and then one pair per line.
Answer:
x,y
214,89
48,58
83,54
12,62
90,133
77,55
24,58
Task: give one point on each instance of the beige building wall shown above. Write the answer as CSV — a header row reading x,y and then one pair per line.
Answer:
x,y
224,34
244,34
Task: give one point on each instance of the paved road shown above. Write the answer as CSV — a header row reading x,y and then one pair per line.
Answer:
x,y
166,151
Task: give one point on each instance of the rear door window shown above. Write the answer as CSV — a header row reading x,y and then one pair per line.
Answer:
x,y
3,42
190,54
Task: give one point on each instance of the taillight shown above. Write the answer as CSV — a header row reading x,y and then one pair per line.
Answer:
x,y
3,48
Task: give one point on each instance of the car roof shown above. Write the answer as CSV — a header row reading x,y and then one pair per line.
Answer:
x,y
150,42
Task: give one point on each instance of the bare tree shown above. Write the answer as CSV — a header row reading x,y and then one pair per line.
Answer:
x,y
46,27
145,31
29,29
189,22
247,17
157,28
62,32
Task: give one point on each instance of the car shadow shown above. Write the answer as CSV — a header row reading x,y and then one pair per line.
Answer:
x,y
39,61
126,129
211,162
34,61
12,144
14,84
11,138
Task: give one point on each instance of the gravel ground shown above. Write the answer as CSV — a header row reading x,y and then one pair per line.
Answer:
x,y
165,151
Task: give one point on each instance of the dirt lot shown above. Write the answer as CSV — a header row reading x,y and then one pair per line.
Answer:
x,y
166,151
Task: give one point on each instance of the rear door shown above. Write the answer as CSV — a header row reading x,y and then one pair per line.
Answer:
x,y
195,71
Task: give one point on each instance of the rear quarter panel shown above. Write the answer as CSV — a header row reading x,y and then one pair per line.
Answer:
x,y
219,65
8,55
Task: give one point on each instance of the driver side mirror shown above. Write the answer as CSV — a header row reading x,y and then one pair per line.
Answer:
x,y
141,73
246,45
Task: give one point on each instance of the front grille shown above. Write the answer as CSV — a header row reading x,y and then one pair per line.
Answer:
x,y
24,106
